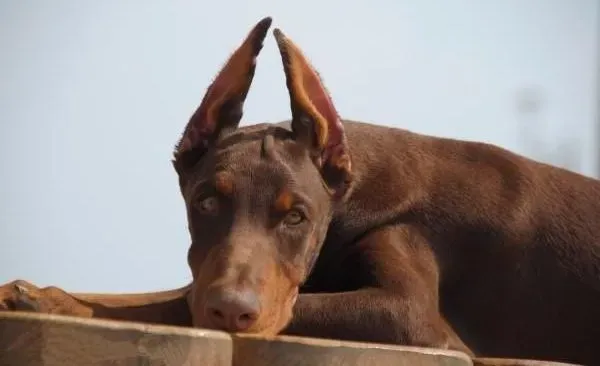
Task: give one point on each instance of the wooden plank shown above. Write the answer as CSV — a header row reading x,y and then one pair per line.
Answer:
x,y
28,339
297,351
32,339
515,362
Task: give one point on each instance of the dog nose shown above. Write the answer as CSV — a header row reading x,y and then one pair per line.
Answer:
x,y
232,310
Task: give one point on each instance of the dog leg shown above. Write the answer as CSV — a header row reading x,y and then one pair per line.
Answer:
x,y
166,307
400,306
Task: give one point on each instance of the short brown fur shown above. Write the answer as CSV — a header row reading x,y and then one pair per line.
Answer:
x,y
387,235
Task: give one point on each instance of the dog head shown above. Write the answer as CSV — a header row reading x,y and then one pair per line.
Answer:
x,y
259,199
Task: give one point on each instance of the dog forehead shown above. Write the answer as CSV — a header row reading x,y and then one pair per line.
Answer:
x,y
254,158
264,146
254,182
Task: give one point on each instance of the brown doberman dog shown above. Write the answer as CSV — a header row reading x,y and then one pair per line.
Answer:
x,y
325,227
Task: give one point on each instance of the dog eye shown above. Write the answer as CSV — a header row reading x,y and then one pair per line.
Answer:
x,y
208,205
293,217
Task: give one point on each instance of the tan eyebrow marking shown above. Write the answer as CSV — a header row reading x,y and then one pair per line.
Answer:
x,y
224,183
284,201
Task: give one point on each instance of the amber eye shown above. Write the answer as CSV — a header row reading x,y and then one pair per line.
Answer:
x,y
209,205
294,217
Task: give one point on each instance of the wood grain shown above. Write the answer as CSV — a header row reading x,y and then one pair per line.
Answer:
x,y
515,362
28,339
298,351
34,339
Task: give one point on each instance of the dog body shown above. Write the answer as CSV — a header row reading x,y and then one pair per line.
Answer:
x,y
502,243
507,241
331,228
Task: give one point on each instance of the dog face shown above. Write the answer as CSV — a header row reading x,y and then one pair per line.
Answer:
x,y
259,199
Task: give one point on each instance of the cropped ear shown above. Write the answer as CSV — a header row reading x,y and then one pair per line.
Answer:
x,y
315,121
222,105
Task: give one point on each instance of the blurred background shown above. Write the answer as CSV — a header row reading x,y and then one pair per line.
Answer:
x,y
94,95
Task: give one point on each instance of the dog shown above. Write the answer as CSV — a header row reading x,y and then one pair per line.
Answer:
x,y
325,227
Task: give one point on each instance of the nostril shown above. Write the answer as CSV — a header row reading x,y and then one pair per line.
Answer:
x,y
244,321
246,317
216,313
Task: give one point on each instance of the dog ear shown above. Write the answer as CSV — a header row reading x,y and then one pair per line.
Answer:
x,y
315,121
222,105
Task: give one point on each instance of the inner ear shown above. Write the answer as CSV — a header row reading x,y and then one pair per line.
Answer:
x,y
222,105
315,120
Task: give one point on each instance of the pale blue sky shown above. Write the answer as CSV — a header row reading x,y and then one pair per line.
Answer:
x,y
94,94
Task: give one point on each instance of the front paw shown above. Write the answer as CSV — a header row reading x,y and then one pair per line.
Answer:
x,y
21,295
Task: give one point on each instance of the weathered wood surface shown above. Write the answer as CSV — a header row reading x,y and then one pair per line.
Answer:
x,y
29,339
295,351
513,362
